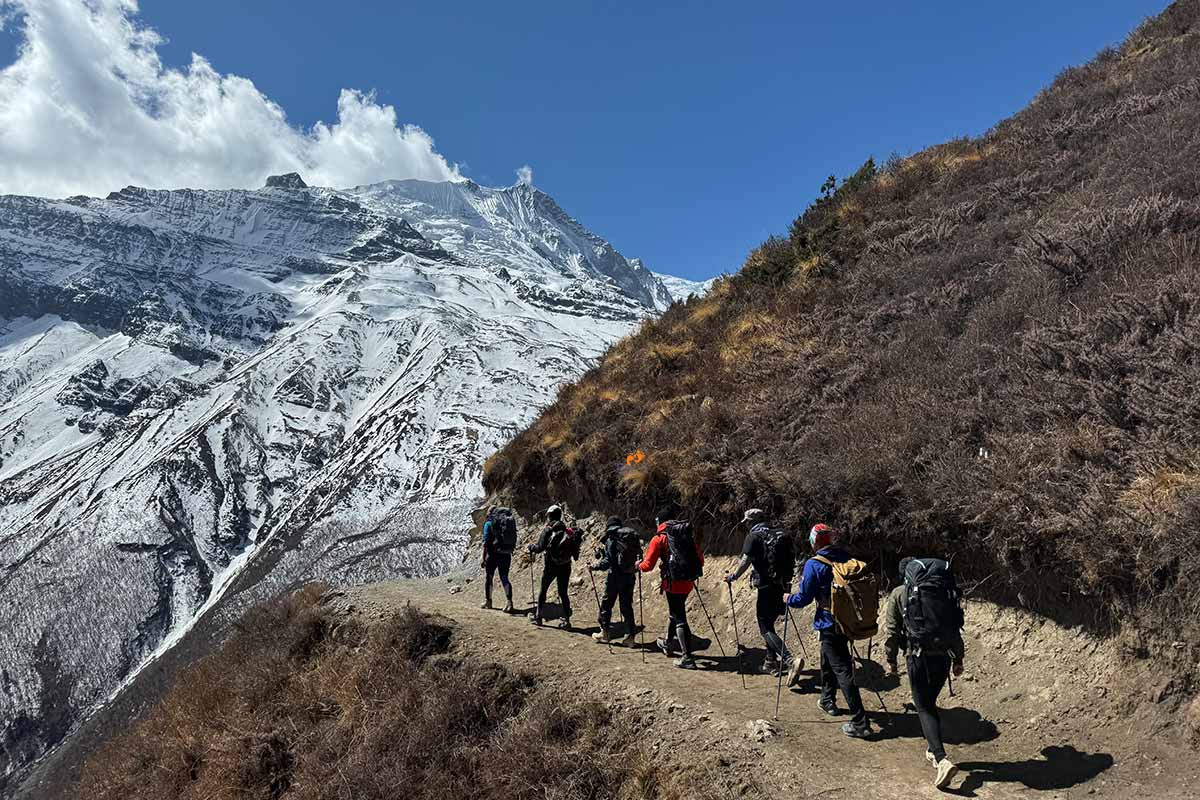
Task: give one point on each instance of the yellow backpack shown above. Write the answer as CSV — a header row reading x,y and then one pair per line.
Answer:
x,y
854,598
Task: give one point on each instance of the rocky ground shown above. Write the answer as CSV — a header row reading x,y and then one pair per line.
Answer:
x,y
1041,711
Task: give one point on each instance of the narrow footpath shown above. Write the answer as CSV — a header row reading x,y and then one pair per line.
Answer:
x,y
1041,712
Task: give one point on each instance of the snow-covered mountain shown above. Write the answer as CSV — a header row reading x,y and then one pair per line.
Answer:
x,y
206,387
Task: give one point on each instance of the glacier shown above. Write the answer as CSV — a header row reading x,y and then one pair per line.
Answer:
x,y
254,388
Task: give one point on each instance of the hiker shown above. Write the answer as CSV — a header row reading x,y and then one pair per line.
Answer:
x,y
924,618
770,552
682,563
499,542
837,669
561,546
619,554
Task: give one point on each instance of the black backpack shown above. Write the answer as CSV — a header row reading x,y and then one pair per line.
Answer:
x,y
933,615
564,545
683,562
779,550
504,532
629,550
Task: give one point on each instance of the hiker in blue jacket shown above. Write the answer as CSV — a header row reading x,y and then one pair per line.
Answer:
x,y
816,585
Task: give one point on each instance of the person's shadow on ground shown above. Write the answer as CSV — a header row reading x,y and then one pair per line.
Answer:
x,y
1061,767
959,726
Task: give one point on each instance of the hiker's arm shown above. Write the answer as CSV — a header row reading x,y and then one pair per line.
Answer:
x,y
542,542
808,587
652,553
487,542
740,571
893,627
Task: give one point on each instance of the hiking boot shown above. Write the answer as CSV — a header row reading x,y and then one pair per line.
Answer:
x,y
486,604
508,607
829,707
794,673
537,621
931,758
857,730
665,647
564,625
686,662
770,666
602,637
630,640
946,770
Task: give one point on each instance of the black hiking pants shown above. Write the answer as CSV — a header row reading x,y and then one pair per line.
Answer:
x,y
768,609
677,627
497,563
927,675
560,574
618,588
837,670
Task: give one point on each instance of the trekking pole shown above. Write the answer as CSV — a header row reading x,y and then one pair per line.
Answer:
x,y
950,679
599,610
532,588
642,621
716,635
799,636
878,696
737,637
779,684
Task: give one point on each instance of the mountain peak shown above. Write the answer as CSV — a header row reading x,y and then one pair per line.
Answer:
x,y
291,180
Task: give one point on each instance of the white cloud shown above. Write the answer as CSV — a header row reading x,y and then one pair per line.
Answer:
x,y
88,107
525,175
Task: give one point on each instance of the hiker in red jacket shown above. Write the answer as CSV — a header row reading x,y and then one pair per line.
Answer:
x,y
682,562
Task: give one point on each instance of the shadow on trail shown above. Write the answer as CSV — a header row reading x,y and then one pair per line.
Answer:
x,y
959,726
1061,767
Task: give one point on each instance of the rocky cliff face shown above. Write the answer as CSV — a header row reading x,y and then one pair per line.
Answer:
x,y
206,387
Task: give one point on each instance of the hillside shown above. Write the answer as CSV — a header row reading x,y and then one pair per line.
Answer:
x,y
213,394
988,349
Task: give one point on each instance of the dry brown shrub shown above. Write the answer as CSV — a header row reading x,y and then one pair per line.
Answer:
x,y
302,704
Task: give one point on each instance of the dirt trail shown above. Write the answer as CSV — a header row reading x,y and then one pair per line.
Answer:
x,y
1040,711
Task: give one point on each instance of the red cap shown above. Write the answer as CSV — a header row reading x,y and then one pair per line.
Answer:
x,y
820,536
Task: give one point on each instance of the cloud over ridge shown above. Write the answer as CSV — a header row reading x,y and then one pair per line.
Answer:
x,y
88,107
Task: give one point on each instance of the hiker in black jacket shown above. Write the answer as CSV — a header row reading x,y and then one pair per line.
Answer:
x,y
619,555
560,548
769,605
929,667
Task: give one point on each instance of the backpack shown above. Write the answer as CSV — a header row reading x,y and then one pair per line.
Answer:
x,y
683,561
933,615
564,545
779,550
504,532
629,550
854,598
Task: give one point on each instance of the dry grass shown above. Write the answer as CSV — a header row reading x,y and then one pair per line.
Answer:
x,y
987,349
300,705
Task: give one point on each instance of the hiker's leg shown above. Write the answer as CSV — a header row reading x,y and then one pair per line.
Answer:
x,y
677,605
926,676
768,608
608,600
503,563
489,569
625,587
829,681
547,579
836,650
564,587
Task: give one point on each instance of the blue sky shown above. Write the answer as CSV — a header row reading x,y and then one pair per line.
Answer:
x,y
684,133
